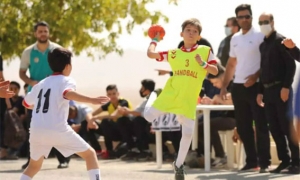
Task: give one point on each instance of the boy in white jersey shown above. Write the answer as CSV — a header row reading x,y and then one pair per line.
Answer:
x,y
49,100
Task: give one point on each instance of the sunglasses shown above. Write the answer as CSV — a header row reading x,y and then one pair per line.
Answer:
x,y
244,17
265,22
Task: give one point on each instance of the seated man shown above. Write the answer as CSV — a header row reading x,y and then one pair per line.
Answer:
x,y
81,120
223,122
15,104
116,125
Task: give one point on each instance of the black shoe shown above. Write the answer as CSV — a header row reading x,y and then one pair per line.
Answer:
x,y
282,166
144,156
179,172
24,166
130,155
294,169
63,165
249,167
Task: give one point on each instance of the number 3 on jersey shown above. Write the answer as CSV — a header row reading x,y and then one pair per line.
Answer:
x,y
46,102
187,63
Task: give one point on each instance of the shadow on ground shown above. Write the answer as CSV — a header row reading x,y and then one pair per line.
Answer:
x,y
229,175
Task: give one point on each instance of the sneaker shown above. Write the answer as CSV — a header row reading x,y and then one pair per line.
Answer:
x,y
219,161
283,165
248,167
63,165
130,155
107,155
144,156
179,172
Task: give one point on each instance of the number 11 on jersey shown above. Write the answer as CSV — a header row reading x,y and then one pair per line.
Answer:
x,y
46,102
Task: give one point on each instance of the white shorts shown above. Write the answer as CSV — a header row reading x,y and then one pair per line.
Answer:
x,y
67,143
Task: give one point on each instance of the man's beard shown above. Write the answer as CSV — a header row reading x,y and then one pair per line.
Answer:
x,y
43,41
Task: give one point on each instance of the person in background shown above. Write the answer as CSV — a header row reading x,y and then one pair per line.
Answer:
x,y
82,122
140,124
35,59
221,121
295,52
4,94
275,92
116,126
244,65
231,28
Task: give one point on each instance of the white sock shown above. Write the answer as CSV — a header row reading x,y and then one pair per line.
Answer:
x,y
25,177
185,142
94,174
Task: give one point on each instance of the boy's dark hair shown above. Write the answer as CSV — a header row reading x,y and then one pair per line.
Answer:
x,y
194,22
25,86
16,84
148,84
58,58
243,7
41,23
221,70
111,87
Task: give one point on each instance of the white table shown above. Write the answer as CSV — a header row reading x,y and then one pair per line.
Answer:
x,y
206,114
206,126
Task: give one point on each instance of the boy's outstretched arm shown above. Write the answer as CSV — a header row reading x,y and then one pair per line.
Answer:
x,y
72,95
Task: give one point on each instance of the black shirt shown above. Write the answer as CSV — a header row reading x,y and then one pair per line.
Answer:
x,y
277,64
295,52
202,41
223,51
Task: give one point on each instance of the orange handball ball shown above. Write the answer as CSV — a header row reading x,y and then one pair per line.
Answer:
x,y
154,29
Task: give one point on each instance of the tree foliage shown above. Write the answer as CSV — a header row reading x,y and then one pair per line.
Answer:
x,y
73,23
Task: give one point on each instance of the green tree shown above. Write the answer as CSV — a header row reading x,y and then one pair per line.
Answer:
x,y
72,22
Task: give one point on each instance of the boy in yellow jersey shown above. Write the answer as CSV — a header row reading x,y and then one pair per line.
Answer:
x,y
189,64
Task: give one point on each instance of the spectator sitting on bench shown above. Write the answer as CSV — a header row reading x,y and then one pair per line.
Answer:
x,y
225,120
116,126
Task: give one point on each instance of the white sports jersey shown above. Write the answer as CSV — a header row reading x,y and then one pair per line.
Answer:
x,y
51,109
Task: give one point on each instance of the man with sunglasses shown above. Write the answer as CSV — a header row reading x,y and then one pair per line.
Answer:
x,y
244,65
277,74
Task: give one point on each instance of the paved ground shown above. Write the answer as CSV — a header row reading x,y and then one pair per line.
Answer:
x,y
117,170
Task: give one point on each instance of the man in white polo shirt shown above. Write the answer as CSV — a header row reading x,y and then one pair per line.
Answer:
x,y
244,65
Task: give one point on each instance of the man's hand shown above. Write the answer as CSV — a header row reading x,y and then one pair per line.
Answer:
x,y
100,100
162,72
223,93
284,94
259,100
121,110
250,80
206,100
92,125
236,136
288,43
